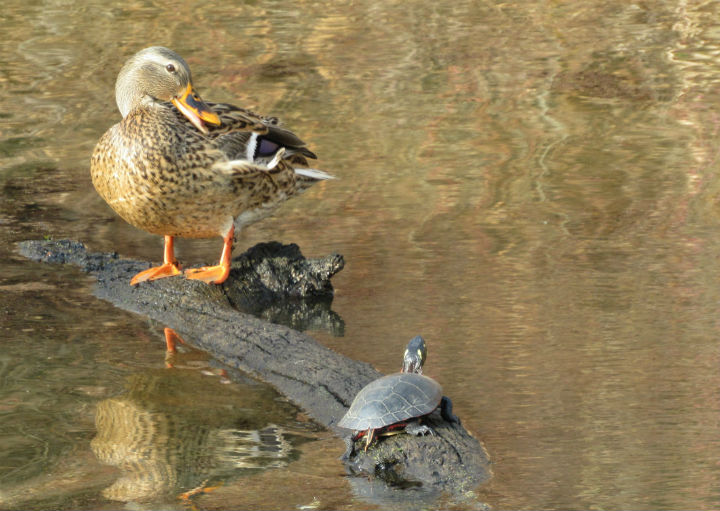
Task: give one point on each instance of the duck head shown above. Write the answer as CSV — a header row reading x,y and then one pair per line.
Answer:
x,y
159,74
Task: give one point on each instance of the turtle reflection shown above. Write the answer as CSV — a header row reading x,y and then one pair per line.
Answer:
x,y
177,430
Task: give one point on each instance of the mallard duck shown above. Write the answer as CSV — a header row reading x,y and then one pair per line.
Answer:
x,y
178,166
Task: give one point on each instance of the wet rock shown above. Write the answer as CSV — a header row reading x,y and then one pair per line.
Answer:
x,y
276,282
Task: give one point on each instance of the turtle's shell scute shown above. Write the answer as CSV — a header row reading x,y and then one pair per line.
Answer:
x,y
390,399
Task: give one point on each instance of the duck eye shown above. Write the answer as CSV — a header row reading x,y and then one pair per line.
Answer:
x,y
170,68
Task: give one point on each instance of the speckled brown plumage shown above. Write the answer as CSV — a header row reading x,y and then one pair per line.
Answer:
x,y
167,172
162,175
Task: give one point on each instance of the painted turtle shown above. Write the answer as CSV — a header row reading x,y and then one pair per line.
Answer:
x,y
387,405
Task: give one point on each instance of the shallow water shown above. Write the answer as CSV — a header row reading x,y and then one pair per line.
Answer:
x,y
531,186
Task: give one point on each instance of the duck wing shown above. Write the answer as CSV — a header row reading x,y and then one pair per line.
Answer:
x,y
245,134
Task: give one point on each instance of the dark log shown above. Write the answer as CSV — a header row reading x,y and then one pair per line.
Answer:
x,y
275,282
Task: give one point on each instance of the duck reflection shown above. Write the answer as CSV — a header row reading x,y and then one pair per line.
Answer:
x,y
172,339
181,430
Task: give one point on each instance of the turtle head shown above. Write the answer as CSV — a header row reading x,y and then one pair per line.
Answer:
x,y
415,355
160,74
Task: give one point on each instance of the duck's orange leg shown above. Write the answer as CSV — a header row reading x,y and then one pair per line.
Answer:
x,y
215,274
169,267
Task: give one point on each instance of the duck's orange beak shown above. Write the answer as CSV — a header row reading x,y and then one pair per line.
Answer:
x,y
195,109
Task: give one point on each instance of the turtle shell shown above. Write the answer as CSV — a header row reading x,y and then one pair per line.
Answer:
x,y
390,399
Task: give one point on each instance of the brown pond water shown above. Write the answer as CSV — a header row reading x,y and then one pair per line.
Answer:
x,y
532,186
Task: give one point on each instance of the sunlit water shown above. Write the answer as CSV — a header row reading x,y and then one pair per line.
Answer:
x,y
531,186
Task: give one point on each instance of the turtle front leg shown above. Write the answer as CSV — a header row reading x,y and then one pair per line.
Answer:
x,y
349,447
446,411
417,429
